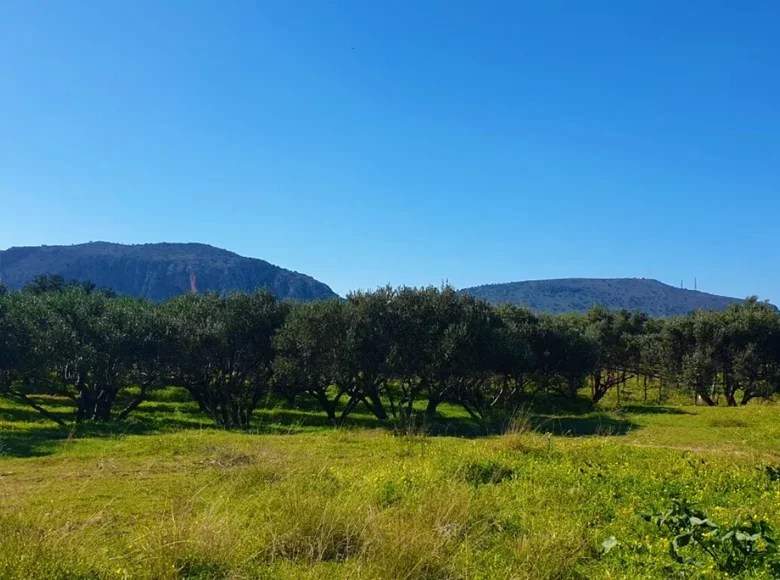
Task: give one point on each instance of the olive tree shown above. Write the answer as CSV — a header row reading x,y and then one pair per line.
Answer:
x,y
313,357
82,346
26,349
370,335
102,347
222,351
463,359
618,335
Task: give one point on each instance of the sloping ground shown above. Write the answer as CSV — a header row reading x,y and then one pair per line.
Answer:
x,y
578,294
157,271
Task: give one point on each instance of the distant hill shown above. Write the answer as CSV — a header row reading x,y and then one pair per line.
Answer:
x,y
578,294
156,271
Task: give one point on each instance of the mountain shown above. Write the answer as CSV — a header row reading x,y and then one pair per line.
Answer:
x,y
578,294
156,271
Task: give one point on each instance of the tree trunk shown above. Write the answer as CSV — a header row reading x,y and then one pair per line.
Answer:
x,y
85,406
326,404
573,388
729,390
707,399
376,407
236,416
224,404
430,409
472,412
92,408
350,406
104,402
393,410
22,397
599,388
747,393
133,405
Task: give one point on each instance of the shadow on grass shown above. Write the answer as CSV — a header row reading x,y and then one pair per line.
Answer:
x,y
40,437
31,443
598,424
30,434
34,436
552,405
28,415
281,420
654,410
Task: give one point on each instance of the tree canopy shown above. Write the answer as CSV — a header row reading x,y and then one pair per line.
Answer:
x,y
392,352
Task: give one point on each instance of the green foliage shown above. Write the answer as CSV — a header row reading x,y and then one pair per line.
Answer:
x,y
222,351
485,472
102,347
47,283
716,354
313,356
773,472
201,569
83,346
743,546
618,336
399,354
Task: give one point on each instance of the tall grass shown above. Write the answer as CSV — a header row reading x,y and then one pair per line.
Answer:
x,y
296,501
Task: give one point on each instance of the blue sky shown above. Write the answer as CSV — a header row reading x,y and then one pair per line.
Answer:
x,y
370,142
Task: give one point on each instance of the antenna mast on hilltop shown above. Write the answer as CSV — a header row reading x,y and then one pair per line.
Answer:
x,y
695,284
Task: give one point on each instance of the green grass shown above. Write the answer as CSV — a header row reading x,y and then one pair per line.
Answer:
x,y
167,497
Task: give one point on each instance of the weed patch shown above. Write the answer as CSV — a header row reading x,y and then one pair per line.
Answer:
x,y
485,472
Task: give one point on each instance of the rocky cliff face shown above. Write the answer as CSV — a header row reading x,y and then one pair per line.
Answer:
x,y
157,271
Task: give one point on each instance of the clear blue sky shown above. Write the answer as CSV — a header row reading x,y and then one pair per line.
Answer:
x,y
407,142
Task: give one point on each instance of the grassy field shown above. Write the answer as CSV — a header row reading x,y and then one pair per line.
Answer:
x,y
167,497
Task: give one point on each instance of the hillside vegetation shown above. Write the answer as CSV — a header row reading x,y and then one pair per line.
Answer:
x,y
156,271
162,271
579,294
